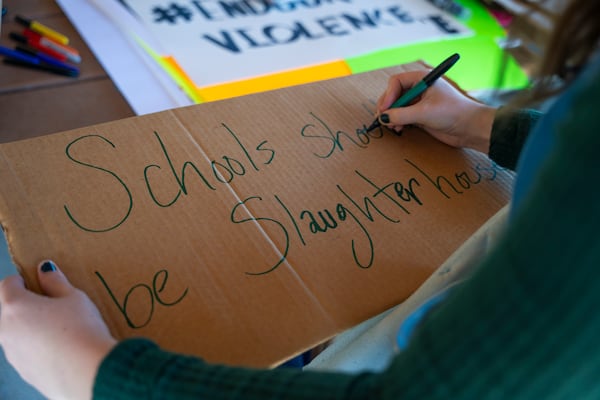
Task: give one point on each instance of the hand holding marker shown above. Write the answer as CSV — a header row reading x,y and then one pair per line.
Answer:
x,y
420,87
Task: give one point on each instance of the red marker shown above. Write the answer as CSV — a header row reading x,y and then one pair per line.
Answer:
x,y
36,45
71,54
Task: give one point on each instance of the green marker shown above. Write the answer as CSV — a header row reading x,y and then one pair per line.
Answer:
x,y
421,86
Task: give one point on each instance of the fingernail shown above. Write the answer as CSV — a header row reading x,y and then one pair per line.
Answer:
x,y
48,266
385,118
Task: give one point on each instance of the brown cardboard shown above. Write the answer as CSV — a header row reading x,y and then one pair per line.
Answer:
x,y
231,271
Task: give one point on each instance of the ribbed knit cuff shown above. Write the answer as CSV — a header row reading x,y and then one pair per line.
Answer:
x,y
509,133
124,373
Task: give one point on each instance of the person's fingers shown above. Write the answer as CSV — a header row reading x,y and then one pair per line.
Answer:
x,y
11,287
384,119
397,85
401,116
52,281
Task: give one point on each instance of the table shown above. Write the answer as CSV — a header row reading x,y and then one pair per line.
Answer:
x,y
35,103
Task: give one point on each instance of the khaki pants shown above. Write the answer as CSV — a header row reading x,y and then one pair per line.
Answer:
x,y
372,344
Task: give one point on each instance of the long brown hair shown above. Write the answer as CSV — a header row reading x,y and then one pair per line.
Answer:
x,y
574,39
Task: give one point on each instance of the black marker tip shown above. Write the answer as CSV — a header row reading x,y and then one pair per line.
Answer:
x,y
23,21
375,124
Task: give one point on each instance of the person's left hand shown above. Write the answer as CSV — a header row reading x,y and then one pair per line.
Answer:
x,y
55,342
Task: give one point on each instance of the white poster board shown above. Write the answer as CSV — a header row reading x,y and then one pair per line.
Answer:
x,y
223,41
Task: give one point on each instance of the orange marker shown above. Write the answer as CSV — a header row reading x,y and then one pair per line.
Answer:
x,y
69,52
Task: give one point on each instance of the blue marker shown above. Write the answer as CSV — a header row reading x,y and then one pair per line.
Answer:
x,y
17,55
46,58
421,86
26,60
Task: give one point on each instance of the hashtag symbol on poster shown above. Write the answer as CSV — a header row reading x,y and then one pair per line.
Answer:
x,y
172,14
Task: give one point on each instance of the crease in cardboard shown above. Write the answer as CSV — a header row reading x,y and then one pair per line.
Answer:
x,y
310,294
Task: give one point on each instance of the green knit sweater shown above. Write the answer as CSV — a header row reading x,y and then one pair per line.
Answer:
x,y
525,326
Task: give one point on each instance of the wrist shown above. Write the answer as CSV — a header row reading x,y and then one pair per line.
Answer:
x,y
85,367
480,123
96,355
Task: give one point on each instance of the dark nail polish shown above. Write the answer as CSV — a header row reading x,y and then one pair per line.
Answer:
x,y
385,118
48,266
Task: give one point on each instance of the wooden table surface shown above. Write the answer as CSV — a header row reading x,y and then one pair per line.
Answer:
x,y
34,103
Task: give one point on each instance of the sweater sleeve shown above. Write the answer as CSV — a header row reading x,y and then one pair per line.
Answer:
x,y
509,133
525,326
139,369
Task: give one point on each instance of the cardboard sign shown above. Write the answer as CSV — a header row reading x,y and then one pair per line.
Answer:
x,y
248,230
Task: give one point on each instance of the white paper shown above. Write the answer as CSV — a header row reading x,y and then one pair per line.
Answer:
x,y
144,85
222,41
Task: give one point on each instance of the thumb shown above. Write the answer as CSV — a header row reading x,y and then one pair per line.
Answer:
x,y
52,281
